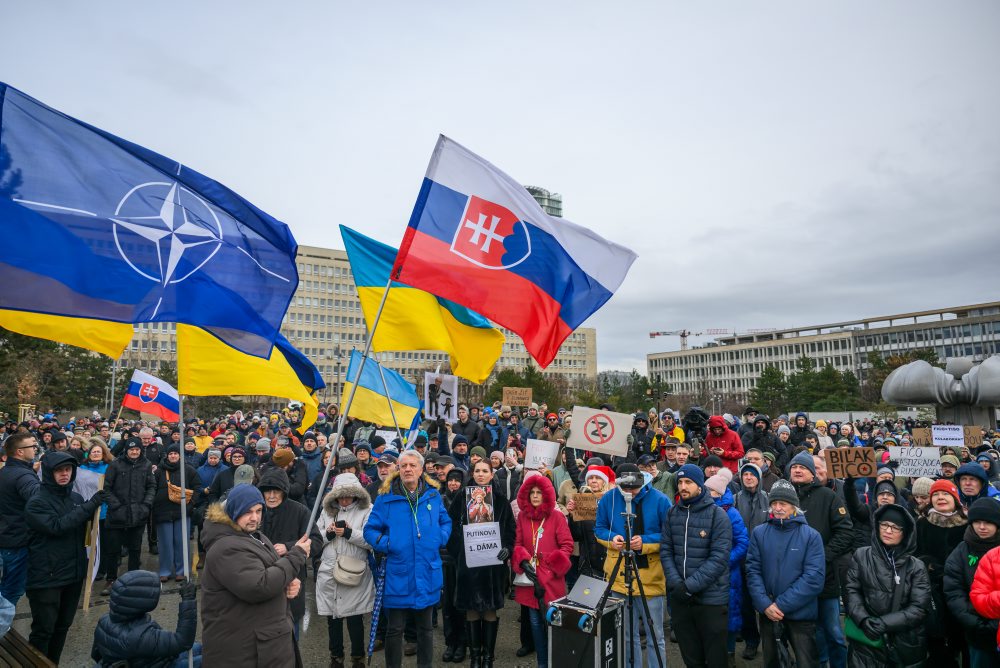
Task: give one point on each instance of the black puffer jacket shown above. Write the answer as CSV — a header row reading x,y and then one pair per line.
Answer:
x,y
18,483
870,584
959,571
285,525
696,539
165,510
57,517
132,487
128,633
825,512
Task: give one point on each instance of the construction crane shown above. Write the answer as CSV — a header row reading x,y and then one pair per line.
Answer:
x,y
685,333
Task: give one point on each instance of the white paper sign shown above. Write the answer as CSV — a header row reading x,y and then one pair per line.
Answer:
x,y
387,434
600,431
441,396
916,462
948,435
482,544
87,482
538,454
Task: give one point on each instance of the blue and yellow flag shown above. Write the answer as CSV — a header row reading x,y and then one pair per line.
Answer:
x,y
371,403
208,367
416,320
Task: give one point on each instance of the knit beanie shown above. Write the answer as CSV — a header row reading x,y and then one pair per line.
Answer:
x,y
241,499
782,490
717,484
725,474
922,487
711,460
783,429
893,513
803,459
985,510
752,468
945,485
282,457
692,472
479,451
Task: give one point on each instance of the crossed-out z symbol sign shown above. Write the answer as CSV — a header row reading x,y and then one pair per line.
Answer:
x,y
599,429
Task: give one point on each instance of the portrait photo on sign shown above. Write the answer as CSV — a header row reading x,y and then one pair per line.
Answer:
x,y
479,504
440,392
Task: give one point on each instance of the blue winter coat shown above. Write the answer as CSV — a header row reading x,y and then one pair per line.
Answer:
x,y
413,564
786,566
738,552
207,473
650,508
697,537
314,462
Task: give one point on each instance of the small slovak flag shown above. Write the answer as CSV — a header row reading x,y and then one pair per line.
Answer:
x,y
149,394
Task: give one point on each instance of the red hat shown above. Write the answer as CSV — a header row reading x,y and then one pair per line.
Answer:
x,y
948,486
551,415
603,472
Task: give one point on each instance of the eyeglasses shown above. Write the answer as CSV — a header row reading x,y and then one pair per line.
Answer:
x,y
890,527
25,447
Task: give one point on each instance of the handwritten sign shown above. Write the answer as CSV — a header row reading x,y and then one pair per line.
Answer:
x,y
948,435
916,462
540,454
586,506
850,462
482,544
516,396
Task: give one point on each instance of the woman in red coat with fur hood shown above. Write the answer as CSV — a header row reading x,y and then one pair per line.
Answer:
x,y
542,538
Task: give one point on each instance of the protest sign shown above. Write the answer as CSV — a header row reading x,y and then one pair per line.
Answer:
x,y
600,431
586,506
948,435
916,462
440,391
387,434
850,462
539,454
479,504
482,544
516,396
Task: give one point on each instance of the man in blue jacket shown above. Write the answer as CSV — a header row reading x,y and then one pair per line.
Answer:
x,y
786,570
650,508
410,525
696,539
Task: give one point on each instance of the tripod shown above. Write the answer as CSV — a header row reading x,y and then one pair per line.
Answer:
x,y
627,558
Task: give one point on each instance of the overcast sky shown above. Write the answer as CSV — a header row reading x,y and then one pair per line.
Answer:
x,y
773,163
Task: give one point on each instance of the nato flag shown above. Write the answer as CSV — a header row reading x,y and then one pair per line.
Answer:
x,y
96,227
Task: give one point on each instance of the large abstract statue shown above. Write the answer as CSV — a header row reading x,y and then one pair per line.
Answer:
x,y
962,392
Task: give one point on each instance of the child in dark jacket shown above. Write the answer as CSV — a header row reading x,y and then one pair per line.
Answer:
x,y
128,634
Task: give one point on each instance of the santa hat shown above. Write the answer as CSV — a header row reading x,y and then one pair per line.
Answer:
x,y
603,472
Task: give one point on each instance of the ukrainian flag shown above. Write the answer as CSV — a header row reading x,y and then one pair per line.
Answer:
x,y
416,320
371,402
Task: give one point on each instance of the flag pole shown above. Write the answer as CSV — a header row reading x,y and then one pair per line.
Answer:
x,y
344,410
185,539
392,411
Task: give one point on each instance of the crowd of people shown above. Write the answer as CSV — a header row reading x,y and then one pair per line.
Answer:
x,y
737,532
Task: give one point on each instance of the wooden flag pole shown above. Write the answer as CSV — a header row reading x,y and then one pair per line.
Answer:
x,y
95,544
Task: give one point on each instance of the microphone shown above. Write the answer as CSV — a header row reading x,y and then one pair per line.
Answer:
x,y
628,501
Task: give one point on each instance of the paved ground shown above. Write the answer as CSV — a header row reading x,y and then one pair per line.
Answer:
x,y
313,640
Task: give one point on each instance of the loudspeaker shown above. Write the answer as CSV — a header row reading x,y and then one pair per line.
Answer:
x,y
577,638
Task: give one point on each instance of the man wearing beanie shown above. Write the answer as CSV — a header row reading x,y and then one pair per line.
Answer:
x,y
246,585
696,540
786,572
960,571
826,513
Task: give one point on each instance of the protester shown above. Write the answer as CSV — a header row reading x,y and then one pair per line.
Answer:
x,y
246,586
724,443
696,543
718,488
409,525
786,572
127,635
97,459
171,538
480,592
57,560
344,587
888,595
18,483
981,535
649,508
543,544
592,551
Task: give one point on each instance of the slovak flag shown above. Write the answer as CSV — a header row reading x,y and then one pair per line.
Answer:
x,y
477,237
149,394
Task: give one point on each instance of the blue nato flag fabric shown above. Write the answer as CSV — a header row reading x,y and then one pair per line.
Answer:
x,y
100,228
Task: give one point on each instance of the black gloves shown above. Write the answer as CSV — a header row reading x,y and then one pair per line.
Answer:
x,y
99,497
681,593
347,533
188,591
503,554
873,627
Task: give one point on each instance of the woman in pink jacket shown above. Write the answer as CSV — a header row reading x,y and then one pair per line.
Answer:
x,y
542,539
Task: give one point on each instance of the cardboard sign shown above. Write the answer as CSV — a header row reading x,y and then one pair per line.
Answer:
x,y
916,462
600,431
948,435
586,506
479,504
440,392
482,544
516,396
539,454
850,462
